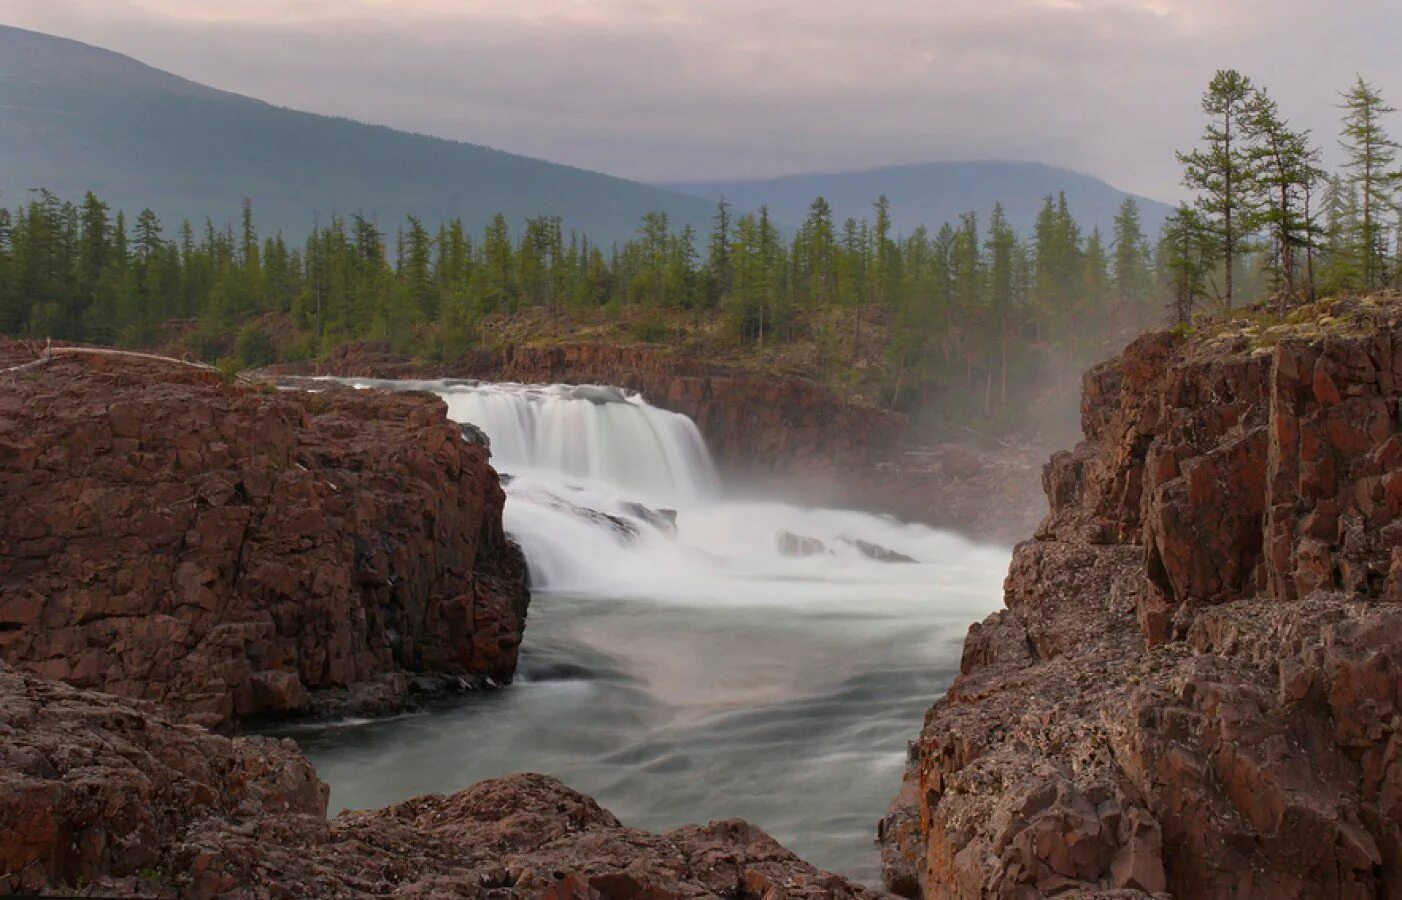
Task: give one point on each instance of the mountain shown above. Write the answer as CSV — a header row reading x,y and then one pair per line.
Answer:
x,y
934,193
75,117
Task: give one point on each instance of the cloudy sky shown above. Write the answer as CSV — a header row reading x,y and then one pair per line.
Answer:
x,y
693,89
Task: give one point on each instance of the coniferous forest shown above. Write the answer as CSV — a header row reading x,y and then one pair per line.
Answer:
x,y
971,312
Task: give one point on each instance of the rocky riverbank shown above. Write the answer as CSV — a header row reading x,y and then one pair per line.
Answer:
x,y
110,797
233,551
1195,685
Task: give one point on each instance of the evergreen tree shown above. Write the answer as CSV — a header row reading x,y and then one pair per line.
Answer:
x,y
1369,156
1221,170
1129,261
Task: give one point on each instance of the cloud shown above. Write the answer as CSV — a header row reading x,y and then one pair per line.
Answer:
x,y
681,90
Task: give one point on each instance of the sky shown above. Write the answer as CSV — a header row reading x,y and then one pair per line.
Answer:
x,y
722,89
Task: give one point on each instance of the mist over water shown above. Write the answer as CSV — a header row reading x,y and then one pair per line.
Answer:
x,y
690,671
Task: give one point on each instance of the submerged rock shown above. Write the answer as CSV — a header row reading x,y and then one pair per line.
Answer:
x,y
664,520
876,551
798,545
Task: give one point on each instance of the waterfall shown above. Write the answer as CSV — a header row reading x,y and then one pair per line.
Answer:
x,y
611,496
691,655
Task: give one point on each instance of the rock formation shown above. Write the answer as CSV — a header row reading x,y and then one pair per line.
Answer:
x,y
107,794
234,551
1195,686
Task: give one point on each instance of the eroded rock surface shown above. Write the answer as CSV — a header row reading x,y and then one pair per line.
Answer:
x,y
233,551
1195,686
107,794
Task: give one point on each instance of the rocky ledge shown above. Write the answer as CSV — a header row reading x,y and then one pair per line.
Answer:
x,y
233,551
107,796
1195,687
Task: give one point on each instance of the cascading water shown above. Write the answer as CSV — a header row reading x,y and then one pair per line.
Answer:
x,y
689,656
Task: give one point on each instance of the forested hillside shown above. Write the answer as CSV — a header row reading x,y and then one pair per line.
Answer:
x,y
935,192
75,118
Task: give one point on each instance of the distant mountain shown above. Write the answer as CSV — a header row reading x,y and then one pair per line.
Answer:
x,y
75,117
934,193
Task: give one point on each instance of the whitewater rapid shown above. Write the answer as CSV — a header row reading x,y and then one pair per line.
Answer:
x,y
689,655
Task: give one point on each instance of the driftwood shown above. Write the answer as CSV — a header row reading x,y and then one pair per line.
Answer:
x,y
50,352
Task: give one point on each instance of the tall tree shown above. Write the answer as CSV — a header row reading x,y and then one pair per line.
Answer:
x,y
1369,156
1129,262
1286,167
1221,169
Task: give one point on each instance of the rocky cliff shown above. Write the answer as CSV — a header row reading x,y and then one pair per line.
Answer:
x,y
1195,687
235,551
110,796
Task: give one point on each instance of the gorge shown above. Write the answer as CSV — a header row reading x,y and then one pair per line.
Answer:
x,y
684,658
1191,692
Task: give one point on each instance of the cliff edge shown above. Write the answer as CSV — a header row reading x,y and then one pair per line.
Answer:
x,y
233,551
1196,683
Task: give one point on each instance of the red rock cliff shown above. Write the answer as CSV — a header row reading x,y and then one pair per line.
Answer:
x,y
230,551
1196,684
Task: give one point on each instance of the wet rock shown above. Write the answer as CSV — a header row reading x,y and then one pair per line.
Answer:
x,y
876,551
474,435
235,552
664,520
798,545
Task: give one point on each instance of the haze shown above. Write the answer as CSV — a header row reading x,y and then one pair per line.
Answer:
x,y
684,91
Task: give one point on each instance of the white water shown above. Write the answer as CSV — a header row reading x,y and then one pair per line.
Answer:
x,y
696,675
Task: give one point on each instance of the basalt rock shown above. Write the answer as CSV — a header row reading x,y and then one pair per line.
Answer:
x,y
1195,686
107,795
233,551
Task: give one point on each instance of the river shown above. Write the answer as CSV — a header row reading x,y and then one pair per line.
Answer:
x,y
689,655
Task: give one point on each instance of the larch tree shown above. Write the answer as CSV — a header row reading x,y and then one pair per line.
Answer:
x,y
1220,171
1286,168
1369,156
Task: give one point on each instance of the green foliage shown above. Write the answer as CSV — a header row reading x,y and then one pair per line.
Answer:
x,y
648,331
253,348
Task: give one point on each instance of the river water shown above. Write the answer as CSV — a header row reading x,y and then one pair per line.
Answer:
x,y
754,659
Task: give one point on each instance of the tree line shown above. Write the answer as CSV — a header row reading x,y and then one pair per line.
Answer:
x,y
1263,196
970,308
968,297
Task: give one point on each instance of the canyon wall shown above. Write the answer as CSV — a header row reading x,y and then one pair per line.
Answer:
x,y
235,551
1195,687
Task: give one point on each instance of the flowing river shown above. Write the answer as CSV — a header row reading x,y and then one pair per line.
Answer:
x,y
689,655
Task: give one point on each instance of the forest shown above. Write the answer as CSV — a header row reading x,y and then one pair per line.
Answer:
x,y
971,313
